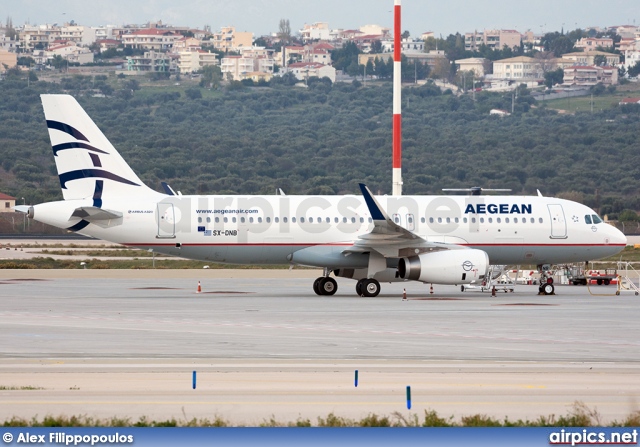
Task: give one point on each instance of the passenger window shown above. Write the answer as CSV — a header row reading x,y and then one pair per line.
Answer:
x,y
353,220
241,219
491,220
587,219
506,220
473,220
431,220
276,219
344,220
259,219
217,219
370,220
482,220
328,220
251,220
284,219
293,220
268,220
302,220
540,220
362,220
422,220
533,220
199,219
233,219
208,220
515,220
226,220
448,220
439,219
336,220
457,220
464,220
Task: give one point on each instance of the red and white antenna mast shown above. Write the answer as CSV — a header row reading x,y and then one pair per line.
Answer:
x,y
397,100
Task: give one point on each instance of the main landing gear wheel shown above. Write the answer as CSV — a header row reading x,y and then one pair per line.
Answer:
x,y
325,286
548,289
370,287
316,285
359,288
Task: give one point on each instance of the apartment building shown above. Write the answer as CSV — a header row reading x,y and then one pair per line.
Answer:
x,y
315,31
8,44
152,39
494,39
521,68
475,64
586,75
591,43
409,45
187,44
37,36
305,70
152,61
71,52
228,39
252,60
588,57
192,61
78,34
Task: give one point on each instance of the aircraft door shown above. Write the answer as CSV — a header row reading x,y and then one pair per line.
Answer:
x,y
558,223
166,221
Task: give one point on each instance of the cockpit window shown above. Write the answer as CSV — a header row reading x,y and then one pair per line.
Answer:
x,y
587,219
596,219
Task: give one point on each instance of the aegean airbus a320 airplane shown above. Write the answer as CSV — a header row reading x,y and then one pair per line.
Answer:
x,y
432,239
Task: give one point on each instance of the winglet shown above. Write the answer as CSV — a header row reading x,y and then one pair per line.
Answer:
x,y
374,207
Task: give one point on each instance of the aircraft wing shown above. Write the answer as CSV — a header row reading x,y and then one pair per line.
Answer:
x,y
390,239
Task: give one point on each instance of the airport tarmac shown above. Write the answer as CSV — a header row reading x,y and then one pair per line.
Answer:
x,y
124,343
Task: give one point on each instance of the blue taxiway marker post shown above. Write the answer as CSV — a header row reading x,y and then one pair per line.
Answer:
x,y
194,380
408,397
356,378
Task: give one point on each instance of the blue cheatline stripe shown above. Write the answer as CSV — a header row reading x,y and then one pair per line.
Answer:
x,y
75,133
97,194
91,173
376,214
79,226
76,145
96,160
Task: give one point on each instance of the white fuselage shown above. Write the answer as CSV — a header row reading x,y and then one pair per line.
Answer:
x,y
271,229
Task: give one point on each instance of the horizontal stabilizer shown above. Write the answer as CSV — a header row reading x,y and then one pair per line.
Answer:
x,y
92,213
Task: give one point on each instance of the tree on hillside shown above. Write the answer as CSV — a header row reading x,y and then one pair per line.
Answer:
x,y
284,31
211,76
554,77
634,70
557,43
345,56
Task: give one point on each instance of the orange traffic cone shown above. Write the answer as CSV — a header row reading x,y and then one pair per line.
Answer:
x,y
199,288
404,294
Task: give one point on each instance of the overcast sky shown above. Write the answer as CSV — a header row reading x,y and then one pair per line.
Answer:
x,y
262,16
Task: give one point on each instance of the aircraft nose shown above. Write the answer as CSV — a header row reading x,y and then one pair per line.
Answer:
x,y
616,237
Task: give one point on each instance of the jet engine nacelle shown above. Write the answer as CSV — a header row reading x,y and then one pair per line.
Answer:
x,y
462,266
